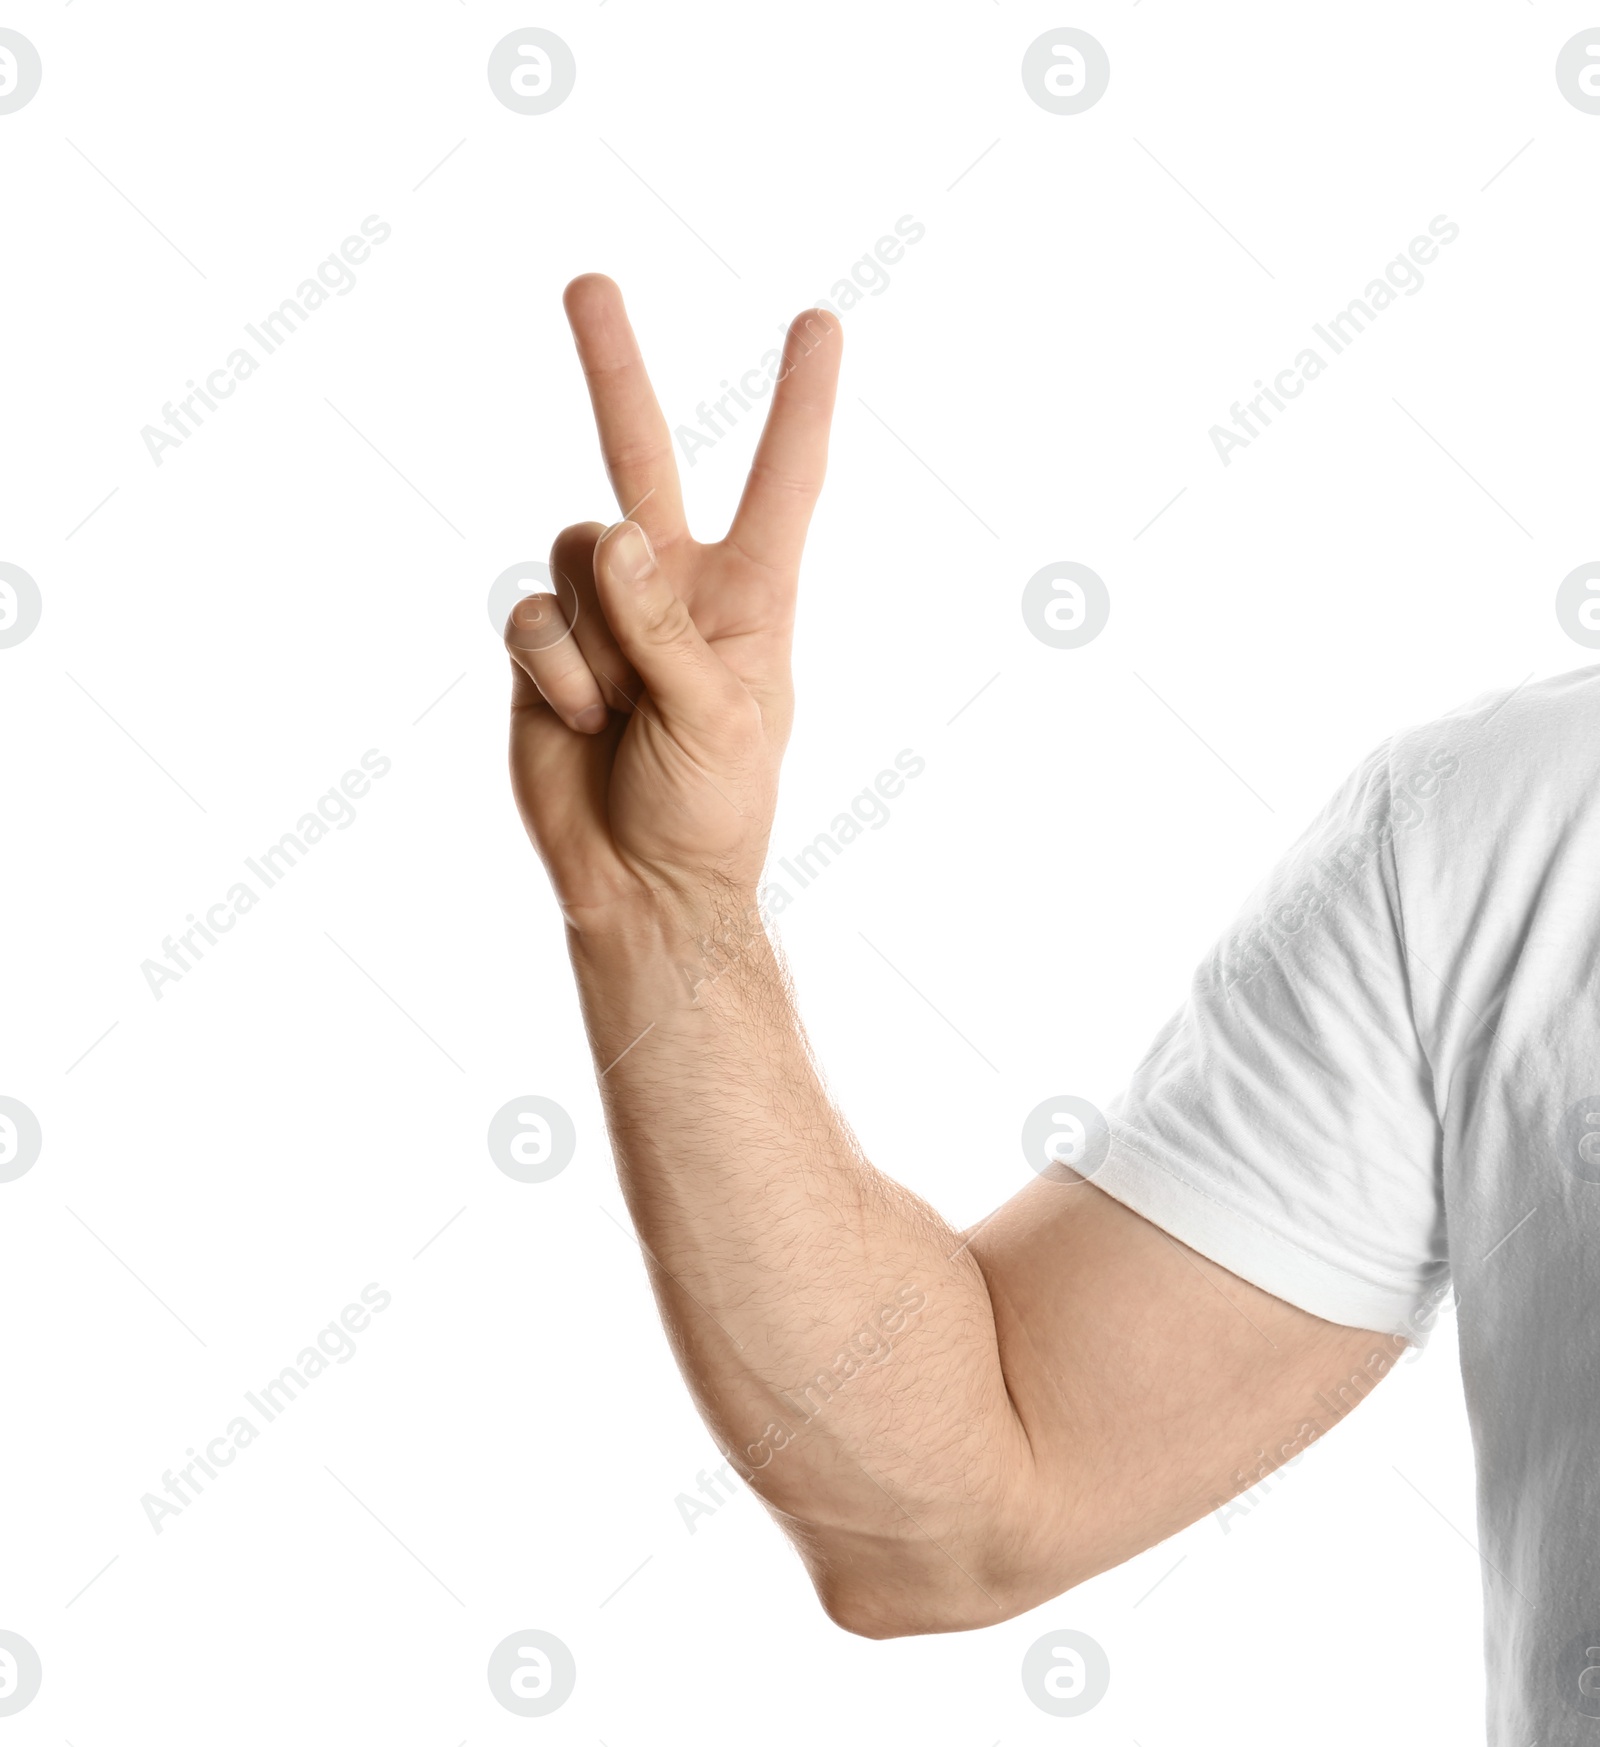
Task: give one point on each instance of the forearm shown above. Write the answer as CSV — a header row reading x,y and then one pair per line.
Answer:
x,y
836,1333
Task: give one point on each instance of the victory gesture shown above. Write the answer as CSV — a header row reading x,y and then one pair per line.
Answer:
x,y
1040,1420
651,698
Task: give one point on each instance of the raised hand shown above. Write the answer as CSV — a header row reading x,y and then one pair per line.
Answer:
x,y
651,697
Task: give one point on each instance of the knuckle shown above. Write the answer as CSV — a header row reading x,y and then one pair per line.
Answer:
x,y
775,479
666,620
732,722
576,539
644,452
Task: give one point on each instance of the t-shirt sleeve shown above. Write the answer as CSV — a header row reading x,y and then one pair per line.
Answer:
x,y
1283,1122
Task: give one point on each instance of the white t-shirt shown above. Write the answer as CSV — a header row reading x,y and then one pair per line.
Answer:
x,y
1385,1081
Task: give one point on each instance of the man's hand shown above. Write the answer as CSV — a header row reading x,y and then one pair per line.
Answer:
x,y
651,700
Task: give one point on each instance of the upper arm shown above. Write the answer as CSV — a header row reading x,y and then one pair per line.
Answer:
x,y
1285,1123
1152,1384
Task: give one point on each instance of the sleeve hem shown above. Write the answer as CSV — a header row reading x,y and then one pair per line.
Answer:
x,y
1162,1193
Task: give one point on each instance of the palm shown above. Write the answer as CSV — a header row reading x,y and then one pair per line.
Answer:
x,y
681,775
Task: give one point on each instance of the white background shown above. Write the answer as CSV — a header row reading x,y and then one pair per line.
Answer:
x,y
227,1167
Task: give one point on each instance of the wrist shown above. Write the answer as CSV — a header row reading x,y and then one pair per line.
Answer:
x,y
691,934
658,978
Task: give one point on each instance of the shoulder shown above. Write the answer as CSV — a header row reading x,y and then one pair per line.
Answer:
x,y
1529,747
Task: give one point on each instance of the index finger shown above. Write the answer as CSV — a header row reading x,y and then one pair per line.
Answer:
x,y
792,457
633,435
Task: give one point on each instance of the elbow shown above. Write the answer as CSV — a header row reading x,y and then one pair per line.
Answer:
x,y
863,1612
975,1567
915,1588
919,1601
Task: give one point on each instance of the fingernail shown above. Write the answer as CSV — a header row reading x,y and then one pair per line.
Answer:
x,y
632,559
528,612
591,720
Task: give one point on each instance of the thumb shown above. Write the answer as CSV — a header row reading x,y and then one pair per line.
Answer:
x,y
653,626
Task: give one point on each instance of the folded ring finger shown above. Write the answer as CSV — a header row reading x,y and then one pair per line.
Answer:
x,y
539,638
618,681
